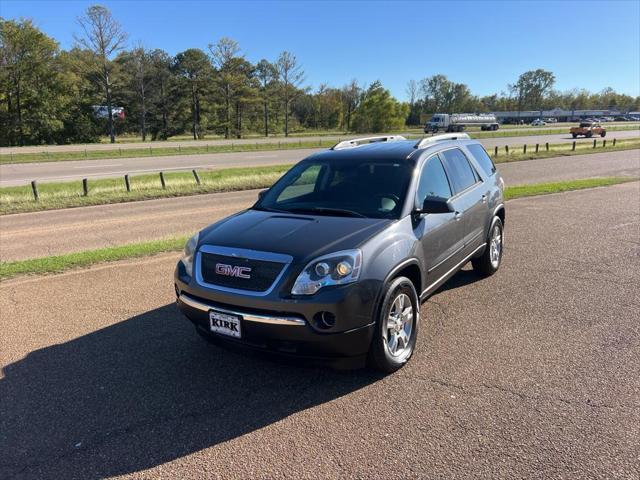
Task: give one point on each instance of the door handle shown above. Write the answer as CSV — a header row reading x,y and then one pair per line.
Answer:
x,y
457,216
484,199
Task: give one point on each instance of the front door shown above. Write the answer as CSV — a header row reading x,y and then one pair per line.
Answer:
x,y
441,234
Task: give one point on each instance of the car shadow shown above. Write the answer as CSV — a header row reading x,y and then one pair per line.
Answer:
x,y
143,392
464,277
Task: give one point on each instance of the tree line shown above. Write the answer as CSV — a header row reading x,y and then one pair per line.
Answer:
x,y
49,95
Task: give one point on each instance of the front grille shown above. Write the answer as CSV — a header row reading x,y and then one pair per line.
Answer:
x,y
262,275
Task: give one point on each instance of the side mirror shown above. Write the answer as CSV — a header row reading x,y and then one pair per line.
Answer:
x,y
435,205
261,194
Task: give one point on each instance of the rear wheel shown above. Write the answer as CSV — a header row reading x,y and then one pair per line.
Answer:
x,y
396,328
589,134
574,135
488,263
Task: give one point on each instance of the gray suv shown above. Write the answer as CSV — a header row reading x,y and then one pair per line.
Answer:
x,y
333,260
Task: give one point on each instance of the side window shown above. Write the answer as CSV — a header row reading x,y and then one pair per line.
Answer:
x,y
461,173
433,181
483,158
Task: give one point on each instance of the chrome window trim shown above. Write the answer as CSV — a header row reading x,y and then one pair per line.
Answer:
x,y
249,317
240,253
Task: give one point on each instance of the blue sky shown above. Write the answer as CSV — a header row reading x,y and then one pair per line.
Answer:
x,y
587,44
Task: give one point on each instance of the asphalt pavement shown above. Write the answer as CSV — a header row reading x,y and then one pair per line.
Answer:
x,y
531,373
23,173
56,232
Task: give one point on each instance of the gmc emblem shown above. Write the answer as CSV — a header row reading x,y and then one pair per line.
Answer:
x,y
233,271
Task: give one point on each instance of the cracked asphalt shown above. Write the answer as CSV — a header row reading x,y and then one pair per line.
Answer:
x,y
532,373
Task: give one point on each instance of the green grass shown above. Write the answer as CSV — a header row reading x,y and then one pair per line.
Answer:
x,y
518,191
562,149
102,191
542,131
60,263
157,148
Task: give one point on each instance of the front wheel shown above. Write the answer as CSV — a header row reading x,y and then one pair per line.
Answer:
x,y
603,133
396,328
574,135
488,263
589,134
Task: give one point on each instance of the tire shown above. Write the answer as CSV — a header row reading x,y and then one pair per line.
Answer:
x,y
574,135
489,262
589,134
603,133
381,354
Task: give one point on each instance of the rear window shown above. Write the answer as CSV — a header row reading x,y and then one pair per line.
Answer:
x,y
483,159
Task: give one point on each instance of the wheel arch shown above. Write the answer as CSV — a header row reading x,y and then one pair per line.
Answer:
x,y
500,212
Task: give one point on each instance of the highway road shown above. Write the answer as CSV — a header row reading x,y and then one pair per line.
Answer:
x,y
62,231
20,174
531,373
251,141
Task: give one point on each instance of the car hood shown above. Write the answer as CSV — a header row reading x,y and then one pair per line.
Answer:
x,y
302,236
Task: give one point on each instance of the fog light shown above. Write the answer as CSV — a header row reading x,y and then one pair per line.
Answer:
x,y
325,319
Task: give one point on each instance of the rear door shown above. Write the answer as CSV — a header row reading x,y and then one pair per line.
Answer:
x,y
469,197
442,234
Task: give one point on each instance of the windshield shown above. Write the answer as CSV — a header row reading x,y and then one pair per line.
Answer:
x,y
585,124
354,188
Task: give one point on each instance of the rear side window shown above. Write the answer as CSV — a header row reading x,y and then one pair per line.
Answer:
x,y
483,159
461,173
433,181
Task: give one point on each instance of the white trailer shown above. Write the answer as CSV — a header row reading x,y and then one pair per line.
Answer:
x,y
457,122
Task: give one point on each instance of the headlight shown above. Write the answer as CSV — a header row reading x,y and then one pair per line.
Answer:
x,y
187,255
337,268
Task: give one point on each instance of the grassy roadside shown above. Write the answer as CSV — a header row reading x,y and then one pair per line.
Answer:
x,y
518,153
57,195
103,191
60,263
157,148
519,191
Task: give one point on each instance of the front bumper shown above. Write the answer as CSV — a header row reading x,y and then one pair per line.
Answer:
x,y
288,325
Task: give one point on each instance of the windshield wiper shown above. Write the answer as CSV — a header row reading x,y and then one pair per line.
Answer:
x,y
326,210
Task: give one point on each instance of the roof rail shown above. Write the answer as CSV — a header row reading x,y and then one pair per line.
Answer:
x,y
358,141
423,142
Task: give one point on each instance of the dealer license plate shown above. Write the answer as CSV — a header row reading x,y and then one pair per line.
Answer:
x,y
225,324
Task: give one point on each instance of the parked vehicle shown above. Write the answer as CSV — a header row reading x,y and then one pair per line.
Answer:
x,y
457,122
102,111
551,120
333,260
588,129
538,123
